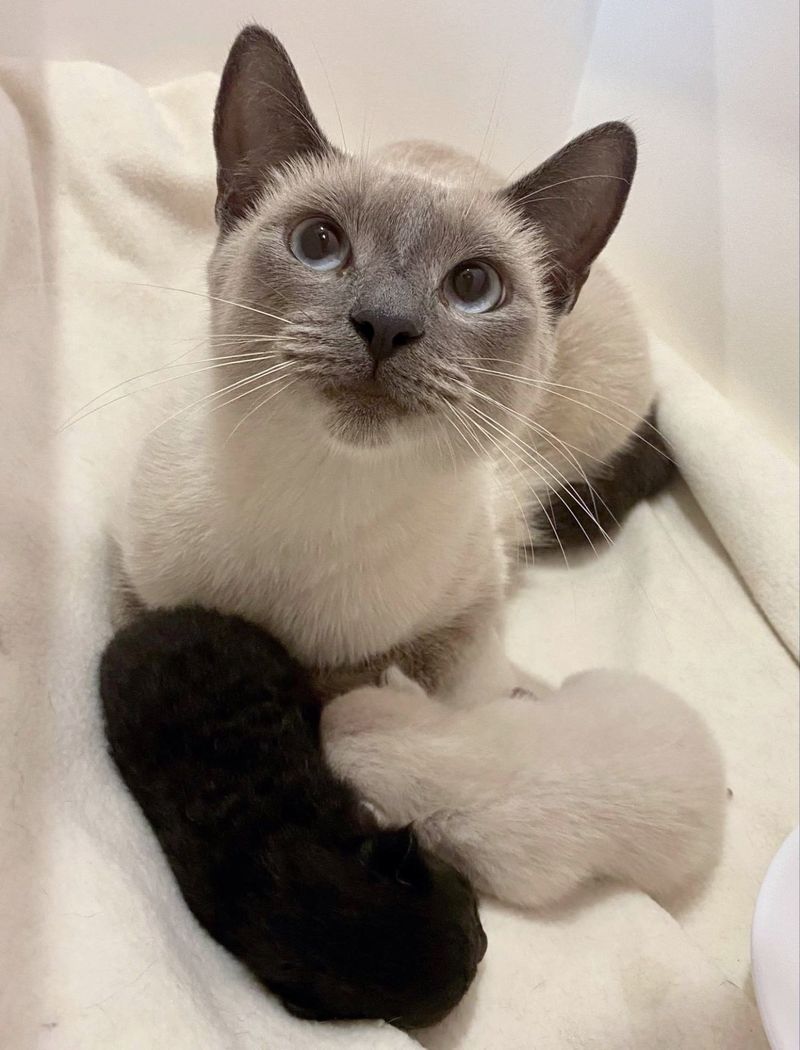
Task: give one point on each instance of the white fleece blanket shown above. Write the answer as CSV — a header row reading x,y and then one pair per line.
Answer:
x,y
103,183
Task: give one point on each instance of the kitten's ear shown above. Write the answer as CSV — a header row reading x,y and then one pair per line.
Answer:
x,y
261,120
576,199
395,854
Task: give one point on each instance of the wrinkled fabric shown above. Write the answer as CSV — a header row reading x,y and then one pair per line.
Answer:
x,y
108,187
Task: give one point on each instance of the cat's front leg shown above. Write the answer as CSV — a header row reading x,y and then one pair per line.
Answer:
x,y
465,663
396,679
486,673
481,672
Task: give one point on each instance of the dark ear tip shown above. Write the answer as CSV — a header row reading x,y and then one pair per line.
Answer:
x,y
617,140
619,129
255,40
613,130
253,34
625,138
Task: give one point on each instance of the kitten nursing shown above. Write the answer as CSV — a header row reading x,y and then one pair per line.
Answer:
x,y
418,364
610,776
419,367
215,731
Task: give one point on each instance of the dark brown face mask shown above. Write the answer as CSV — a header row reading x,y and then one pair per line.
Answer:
x,y
386,291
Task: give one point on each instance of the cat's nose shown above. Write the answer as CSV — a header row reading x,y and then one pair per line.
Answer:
x,y
383,332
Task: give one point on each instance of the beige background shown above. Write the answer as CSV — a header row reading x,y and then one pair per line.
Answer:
x,y
710,239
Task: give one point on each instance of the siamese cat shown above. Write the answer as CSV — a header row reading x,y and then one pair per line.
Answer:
x,y
427,379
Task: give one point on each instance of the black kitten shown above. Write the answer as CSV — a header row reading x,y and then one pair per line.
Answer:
x,y
215,730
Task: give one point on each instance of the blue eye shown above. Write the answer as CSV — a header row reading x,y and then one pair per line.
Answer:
x,y
319,244
473,288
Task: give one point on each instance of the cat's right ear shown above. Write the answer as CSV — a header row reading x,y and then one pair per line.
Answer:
x,y
575,200
262,119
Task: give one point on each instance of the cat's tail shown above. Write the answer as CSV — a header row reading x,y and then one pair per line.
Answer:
x,y
588,511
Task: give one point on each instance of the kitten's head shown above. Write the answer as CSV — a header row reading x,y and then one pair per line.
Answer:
x,y
396,305
372,928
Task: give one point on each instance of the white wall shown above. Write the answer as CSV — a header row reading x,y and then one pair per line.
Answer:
x,y
415,68
709,243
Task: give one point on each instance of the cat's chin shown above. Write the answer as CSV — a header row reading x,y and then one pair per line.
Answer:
x,y
367,418
364,430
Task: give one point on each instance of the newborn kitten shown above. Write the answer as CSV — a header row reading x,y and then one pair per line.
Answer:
x,y
215,731
610,776
417,379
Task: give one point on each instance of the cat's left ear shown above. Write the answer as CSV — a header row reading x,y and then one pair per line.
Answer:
x,y
262,119
576,199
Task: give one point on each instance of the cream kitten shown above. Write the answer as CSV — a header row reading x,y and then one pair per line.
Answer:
x,y
612,775
410,396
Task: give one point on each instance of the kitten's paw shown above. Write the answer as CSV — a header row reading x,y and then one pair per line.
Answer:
x,y
394,678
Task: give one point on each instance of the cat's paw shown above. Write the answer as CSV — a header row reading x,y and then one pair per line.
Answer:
x,y
394,678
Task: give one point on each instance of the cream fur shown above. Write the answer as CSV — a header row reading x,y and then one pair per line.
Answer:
x,y
612,775
347,554
341,557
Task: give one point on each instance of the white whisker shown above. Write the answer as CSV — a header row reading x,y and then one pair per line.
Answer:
x,y
469,423
545,383
563,182
636,583
551,520
330,89
280,390
218,393
526,452
80,414
206,295
555,442
522,512
223,361
317,134
547,386
557,445
541,458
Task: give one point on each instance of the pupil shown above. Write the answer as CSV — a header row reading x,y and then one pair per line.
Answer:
x,y
470,283
319,241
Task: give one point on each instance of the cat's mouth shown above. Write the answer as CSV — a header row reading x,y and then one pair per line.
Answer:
x,y
366,397
365,413
371,409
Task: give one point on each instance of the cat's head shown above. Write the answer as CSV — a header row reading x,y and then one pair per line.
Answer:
x,y
395,304
370,928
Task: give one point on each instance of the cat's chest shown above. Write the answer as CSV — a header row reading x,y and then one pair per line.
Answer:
x,y
341,595
340,566
336,581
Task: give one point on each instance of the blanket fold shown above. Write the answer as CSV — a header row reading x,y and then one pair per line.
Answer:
x,y
107,188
